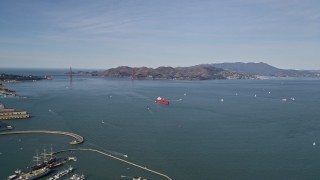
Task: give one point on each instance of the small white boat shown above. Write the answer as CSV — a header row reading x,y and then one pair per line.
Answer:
x,y
72,158
12,177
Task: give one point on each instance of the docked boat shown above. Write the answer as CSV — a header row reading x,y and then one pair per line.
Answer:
x,y
61,173
77,177
5,126
12,177
57,163
48,159
162,101
72,158
34,174
60,161
44,164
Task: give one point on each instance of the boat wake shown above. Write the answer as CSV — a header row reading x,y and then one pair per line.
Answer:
x,y
149,110
127,177
52,111
175,100
118,154
109,151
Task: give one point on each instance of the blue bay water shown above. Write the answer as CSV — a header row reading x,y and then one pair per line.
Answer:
x,y
198,137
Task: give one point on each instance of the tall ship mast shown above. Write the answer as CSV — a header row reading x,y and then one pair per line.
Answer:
x,y
37,158
45,155
48,159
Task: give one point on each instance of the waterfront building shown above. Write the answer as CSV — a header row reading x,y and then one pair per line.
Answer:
x,y
10,113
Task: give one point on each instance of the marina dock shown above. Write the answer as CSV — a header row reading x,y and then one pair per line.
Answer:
x,y
119,159
78,139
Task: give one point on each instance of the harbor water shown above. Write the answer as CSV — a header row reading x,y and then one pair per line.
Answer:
x,y
222,129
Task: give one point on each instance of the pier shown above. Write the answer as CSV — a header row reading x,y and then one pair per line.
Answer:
x,y
119,159
78,139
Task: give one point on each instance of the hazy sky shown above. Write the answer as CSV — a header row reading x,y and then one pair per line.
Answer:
x,y
110,33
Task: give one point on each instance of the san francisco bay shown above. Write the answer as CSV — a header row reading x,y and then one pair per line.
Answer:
x,y
215,129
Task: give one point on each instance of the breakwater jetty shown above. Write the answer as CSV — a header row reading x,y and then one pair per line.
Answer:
x,y
78,139
119,159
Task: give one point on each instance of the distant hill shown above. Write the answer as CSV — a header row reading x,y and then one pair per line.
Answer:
x,y
314,71
237,70
179,73
13,77
262,69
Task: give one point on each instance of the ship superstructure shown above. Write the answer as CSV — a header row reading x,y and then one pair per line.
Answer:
x,y
34,174
162,101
